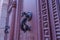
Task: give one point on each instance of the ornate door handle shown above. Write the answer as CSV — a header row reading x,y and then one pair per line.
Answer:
x,y
6,29
26,17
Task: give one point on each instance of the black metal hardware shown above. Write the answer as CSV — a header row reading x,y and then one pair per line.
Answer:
x,y
26,17
6,29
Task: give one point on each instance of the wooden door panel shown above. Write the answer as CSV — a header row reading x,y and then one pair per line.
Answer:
x,y
15,31
30,6
10,16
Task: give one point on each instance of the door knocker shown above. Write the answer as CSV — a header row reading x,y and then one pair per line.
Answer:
x,y
6,29
26,17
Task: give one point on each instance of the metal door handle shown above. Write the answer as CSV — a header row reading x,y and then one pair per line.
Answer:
x,y
26,17
6,29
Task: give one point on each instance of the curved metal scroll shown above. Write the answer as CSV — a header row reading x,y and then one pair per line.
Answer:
x,y
26,17
6,29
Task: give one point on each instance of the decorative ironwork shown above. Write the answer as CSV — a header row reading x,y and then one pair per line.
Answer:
x,y
26,17
6,29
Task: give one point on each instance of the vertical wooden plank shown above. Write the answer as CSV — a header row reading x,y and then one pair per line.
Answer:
x,y
38,20
13,20
7,22
17,20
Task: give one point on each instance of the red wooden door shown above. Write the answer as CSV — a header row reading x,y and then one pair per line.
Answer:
x,y
44,23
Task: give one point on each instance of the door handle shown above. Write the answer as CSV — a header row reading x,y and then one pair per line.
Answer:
x,y
26,17
6,29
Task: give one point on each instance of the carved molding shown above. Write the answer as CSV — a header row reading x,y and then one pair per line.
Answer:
x,y
13,5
